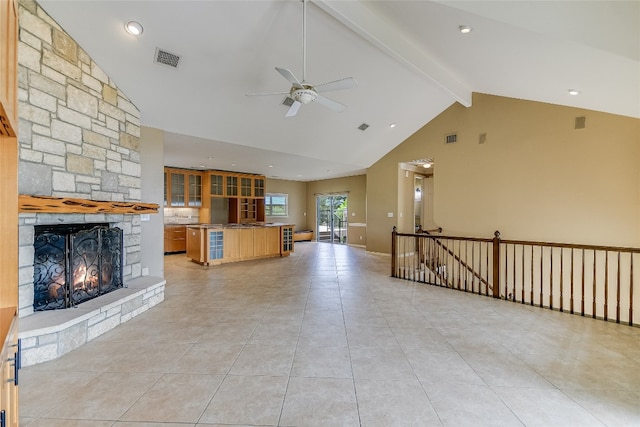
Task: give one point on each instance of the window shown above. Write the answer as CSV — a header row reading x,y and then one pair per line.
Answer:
x,y
276,204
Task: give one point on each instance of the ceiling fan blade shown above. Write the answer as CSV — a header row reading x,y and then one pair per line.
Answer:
x,y
293,110
330,103
289,76
346,83
266,93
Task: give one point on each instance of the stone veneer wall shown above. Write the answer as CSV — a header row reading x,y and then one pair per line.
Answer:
x,y
78,135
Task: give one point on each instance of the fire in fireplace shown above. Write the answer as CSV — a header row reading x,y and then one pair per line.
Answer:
x,y
74,263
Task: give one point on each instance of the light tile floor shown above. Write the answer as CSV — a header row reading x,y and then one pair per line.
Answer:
x,y
326,338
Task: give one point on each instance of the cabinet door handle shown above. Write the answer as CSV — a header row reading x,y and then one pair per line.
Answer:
x,y
18,353
16,365
3,418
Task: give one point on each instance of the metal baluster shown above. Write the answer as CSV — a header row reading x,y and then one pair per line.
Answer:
x,y
571,298
513,292
593,314
618,291
531,275
551,278
522,266
561,280
606,285
631,292
473,264
582,297
541,275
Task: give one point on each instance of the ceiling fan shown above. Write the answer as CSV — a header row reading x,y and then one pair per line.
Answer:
x,y
302,92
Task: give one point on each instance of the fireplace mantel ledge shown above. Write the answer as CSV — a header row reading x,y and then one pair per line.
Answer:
x,y
47,204
47,335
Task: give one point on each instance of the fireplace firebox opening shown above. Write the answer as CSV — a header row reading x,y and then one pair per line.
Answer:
x,y
74,263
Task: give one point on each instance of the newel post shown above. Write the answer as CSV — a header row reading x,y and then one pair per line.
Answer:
x,y
394,234
496,264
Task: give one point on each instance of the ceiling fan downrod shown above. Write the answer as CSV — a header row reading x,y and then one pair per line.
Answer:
x,y
304,41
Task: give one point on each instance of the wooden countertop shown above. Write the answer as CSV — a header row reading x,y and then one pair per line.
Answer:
x,y
236,226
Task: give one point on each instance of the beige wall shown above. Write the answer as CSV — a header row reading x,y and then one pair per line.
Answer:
x,y
152,164
297,192
535,177
356,188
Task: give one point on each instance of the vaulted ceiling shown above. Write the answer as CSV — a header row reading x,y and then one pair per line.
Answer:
x,y
409,58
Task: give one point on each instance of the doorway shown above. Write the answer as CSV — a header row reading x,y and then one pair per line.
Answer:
x,y
331,218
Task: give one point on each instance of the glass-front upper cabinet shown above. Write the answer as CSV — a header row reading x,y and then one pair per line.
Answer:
x,y
232,185
258,187
165,188
177,189
245,186
217,185
195,191
182,188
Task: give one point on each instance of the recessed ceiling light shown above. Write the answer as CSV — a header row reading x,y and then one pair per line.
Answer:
x,y
426,165
574,92
465,29
392,125
233,164
133,27
210,157
270,166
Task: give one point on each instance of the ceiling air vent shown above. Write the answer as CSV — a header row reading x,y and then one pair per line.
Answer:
x,y
166,58
451,138
288,101
363,126
581,122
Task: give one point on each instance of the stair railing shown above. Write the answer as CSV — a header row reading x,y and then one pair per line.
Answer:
x,y
589,280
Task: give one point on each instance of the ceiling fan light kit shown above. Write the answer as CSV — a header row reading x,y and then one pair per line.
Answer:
x,y
304,93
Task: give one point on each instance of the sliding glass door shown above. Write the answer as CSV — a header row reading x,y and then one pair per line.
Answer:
x,y
332,219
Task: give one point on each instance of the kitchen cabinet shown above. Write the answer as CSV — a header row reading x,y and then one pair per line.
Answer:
x,y
287,240
213,245
217,185
175,238
258,187
245,193
182,188
9,368
246,186
232,185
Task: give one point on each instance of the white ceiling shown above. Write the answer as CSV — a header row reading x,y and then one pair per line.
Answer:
x,y
408,57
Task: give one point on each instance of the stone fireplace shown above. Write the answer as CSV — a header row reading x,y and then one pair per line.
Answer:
x,y
79,139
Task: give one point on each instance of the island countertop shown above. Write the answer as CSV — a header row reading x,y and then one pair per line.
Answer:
x,y
248,225
211,244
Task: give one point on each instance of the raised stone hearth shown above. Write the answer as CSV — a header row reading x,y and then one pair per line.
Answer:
x,y
48,335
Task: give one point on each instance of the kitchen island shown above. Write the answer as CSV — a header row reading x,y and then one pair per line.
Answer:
x,y
213,244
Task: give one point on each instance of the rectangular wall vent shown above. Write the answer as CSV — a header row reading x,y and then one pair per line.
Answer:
x,y
581,122
451,138
166,58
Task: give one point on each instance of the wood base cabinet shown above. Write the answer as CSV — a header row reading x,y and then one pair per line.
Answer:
x,y
175,238
9,365
218,245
